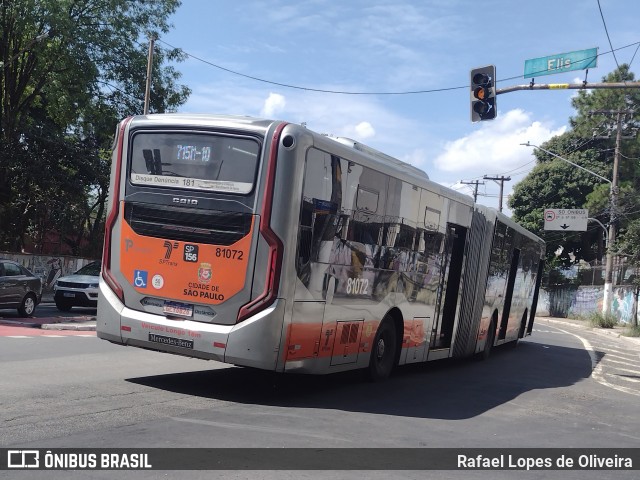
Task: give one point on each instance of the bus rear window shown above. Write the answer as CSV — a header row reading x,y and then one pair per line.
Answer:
x,y
194,161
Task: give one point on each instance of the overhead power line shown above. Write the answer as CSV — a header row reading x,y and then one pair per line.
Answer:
x,y
608,37
309,89
344,92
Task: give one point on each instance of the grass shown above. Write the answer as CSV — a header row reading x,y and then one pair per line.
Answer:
x,y
633,331
599,320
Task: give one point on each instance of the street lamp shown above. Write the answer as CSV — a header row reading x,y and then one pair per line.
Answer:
x,y
608,275
604,229
36,39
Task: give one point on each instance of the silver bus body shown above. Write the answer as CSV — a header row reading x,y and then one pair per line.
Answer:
x,y
331,238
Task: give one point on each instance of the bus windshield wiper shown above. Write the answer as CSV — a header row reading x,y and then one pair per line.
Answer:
x,y
169,173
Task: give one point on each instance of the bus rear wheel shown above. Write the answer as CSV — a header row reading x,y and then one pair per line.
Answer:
x,y
491,336
383,354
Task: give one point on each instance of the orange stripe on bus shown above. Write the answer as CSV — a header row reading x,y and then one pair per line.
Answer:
x,y
318,340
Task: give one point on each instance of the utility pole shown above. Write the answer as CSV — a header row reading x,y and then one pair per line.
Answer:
x,y
501,179
147,90
475,190
608,272
613,187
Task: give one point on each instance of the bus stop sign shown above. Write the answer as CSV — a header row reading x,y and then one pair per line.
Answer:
x,y
565,219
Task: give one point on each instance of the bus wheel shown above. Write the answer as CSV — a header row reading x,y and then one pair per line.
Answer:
x,y
383,354
523,325
491,336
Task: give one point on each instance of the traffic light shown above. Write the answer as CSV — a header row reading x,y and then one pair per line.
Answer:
x,y
483,93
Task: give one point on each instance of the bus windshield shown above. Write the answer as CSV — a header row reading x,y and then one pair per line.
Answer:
x,y
194,161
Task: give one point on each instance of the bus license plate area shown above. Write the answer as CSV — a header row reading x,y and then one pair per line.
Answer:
x,y
177,308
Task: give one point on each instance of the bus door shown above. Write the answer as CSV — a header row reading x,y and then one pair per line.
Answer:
x,y
448,290
508,297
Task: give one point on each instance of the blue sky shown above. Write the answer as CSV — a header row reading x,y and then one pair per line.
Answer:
x,y
400,46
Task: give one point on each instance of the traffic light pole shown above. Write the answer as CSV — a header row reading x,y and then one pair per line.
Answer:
x,y
567,86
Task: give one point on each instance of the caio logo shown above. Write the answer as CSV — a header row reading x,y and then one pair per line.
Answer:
x,y
185,201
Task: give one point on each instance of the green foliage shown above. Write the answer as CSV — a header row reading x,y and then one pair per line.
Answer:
x,y
633,331
602,320
553,183
72,70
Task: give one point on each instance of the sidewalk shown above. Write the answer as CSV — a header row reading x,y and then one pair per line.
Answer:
x,y
617,331
60,322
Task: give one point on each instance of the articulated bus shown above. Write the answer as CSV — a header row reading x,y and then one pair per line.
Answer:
x,y
263,244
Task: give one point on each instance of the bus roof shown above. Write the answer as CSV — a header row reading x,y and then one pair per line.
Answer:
x,y
261,126
381,155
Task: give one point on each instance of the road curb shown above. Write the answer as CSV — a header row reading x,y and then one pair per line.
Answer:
x,y
598,331
53,323
20,323
88,327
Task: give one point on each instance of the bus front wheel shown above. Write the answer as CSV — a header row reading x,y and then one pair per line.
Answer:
x,y
383,354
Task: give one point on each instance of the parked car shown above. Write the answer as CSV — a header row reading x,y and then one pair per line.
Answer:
x,y
19,288
79,289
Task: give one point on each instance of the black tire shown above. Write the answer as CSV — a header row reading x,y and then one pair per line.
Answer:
x,y
383,352
523,325
63,306
28,305
491,336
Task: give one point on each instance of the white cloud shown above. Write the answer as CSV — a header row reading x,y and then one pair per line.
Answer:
x,y
361,131
273,105
495,146
494,149
417,157
365,130
346,116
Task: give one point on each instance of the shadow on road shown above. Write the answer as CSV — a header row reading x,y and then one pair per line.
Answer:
x,y
449,390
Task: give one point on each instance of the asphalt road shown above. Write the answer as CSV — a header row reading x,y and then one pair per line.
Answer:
x,y
564,387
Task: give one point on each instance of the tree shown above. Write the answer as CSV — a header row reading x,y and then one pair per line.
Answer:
x,y
555,184
69,71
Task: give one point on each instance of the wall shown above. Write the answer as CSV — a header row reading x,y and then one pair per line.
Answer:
x,y
584,300
47,267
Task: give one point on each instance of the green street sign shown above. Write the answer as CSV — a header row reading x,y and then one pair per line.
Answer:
x,y
561,62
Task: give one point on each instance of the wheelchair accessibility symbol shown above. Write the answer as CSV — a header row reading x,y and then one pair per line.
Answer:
x,y
140,278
